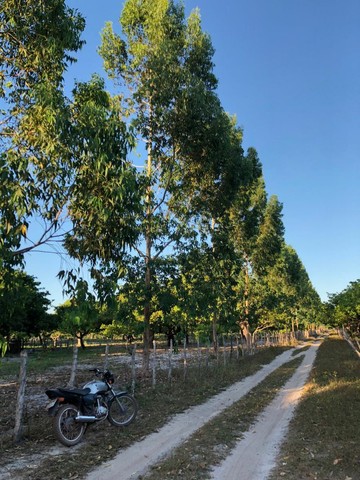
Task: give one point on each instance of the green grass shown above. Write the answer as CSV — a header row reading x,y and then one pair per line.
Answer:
x,y
323,441
41,360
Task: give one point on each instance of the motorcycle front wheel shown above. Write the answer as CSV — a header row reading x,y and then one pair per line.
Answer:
x,y
122,410
67,430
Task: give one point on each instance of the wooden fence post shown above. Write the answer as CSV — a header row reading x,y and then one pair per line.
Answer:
x,y
224,349
133,369
74,364
185,358
199,352
170,359
20,397
106,361
154,364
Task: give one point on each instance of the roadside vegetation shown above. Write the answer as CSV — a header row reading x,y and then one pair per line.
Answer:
x,y
323,441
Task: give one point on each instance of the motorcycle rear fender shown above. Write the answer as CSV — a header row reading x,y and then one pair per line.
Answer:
x,y
53,410
53,393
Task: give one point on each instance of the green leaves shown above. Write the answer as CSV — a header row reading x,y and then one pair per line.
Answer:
x,y
37,40
104,194
344,307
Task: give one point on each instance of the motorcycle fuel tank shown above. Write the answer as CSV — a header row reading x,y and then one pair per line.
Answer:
x,y
96,386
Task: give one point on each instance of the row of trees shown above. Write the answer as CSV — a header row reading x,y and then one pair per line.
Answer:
x,y
186,239
344,308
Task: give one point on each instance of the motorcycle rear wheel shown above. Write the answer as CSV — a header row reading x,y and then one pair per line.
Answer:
x,y
67,430
122,410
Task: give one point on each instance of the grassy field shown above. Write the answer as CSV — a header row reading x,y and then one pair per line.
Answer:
x,y
323,441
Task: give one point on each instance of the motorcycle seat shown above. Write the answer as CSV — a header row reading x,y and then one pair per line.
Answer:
x,y
77,391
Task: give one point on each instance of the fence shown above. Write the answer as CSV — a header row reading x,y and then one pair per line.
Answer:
x,y
164,360
353,341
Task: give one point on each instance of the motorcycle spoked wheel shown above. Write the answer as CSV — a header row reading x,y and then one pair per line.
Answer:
x,y
122,410
67,430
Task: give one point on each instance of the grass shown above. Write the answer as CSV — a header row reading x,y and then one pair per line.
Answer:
x,y
323,441
40,360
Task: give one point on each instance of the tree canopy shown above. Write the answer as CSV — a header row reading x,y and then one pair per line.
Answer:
x,y
163,206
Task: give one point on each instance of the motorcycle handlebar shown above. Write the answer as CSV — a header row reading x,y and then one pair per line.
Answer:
x,y
95,370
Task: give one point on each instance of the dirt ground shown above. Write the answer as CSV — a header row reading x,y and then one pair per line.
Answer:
x,y
259,447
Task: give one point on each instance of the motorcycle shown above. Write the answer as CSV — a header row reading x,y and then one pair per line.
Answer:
x,y
74,409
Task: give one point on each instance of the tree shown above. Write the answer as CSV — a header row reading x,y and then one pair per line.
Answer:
x,y
23,306
192,147
285,297
37,40
258,233
79,316
345,307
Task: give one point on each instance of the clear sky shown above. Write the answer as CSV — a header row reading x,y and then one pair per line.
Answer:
x,y
290,71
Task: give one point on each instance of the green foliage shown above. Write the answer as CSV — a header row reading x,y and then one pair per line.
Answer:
x,y
37,41
105,191
344,307
79,316
284,297
23,306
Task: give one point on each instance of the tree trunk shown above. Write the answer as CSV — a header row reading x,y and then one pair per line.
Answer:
x,y
81,338
246,291
20,398
245,331
74,364
148,245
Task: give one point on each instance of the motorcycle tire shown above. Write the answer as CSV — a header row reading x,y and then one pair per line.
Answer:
x,y
122,410
67,430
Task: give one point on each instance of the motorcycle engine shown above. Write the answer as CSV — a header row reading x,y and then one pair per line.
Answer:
x,y
101,409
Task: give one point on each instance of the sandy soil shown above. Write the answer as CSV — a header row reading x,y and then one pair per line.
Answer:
x,y
259,447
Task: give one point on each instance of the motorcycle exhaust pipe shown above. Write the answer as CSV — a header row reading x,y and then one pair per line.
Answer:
x,y
85,419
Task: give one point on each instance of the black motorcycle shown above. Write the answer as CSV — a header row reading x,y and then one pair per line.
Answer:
x,y
74,409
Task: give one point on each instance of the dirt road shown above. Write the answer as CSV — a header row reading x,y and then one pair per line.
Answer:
x,y
255,455
262,441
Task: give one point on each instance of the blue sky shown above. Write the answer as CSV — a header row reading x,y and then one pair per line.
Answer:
x,y
290,71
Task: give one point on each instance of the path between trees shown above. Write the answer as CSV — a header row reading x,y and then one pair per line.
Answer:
x,y
253,457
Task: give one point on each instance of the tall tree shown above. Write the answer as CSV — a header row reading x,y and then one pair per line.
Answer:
x,y
286,296
192,148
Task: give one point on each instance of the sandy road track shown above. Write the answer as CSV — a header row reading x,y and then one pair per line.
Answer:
x,y
255,455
